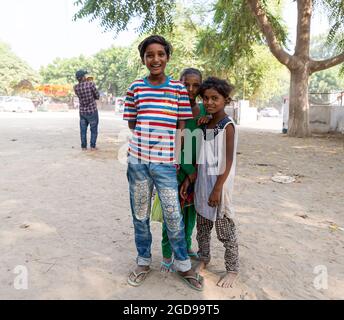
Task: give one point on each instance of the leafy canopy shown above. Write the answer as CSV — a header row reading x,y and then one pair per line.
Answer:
x,y
13,70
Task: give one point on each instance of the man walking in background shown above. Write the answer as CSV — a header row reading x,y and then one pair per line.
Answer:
x,y
87,93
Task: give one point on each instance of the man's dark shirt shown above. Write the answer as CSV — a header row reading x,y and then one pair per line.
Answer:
x,y
87,94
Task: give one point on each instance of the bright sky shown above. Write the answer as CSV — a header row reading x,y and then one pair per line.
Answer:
x,y
319,23
40,30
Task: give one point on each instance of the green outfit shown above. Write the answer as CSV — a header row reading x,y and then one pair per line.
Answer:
x,y
188,208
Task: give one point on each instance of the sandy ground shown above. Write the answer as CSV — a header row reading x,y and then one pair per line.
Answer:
x,y
65,216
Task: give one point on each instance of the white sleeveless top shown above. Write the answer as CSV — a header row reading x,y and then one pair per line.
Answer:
x,y
211,163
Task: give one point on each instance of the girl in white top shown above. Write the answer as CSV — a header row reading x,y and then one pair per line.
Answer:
x,y
215,180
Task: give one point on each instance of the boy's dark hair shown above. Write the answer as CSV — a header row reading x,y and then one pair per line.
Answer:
x,y
188,71
221,86
154,39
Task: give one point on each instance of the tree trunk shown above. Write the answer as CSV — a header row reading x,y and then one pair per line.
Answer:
x,y
301,66
298,125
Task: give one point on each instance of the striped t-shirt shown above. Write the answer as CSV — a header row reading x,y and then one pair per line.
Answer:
x,y
156,110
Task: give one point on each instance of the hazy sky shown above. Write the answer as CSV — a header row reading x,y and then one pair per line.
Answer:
x,y
40,30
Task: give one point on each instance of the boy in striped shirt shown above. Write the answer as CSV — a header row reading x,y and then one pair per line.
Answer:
x,y
155,107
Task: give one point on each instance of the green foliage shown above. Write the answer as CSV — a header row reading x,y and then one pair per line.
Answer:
x,y
116,14
335,13
327,80
62,71
184,40
224,45
13,70
256,75
267,81
227,47
235,30
320,49
111,68
334,9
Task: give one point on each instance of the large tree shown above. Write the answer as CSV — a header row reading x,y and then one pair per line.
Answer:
x,y
13,70
240,24
111,69
62,70
300,64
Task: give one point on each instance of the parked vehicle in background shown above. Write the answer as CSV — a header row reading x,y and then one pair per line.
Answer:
x,y
269,112
17,104
2,102
2,99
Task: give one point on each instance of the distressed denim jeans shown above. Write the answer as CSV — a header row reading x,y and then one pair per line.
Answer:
x,y
142,176
91,119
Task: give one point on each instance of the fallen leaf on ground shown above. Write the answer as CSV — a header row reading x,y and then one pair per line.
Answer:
x,y
304,216
334,227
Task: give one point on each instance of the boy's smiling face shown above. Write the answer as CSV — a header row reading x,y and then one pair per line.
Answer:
x,y
155,59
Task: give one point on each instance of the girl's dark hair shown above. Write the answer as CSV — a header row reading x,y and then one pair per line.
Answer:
x,y
221,86
154,39
188,71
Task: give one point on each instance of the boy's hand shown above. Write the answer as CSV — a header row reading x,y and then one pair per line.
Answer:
x,y
184,188
203,120
215,198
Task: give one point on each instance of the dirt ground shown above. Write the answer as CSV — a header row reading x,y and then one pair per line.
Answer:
x,y
65,216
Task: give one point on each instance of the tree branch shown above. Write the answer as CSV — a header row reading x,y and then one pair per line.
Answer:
x,y
325,64
266,28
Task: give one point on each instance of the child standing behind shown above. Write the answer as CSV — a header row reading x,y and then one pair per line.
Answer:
x,y
192,79
215,180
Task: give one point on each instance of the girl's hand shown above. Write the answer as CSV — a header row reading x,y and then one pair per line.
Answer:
x,y
184,188
192,177
215,198
203,120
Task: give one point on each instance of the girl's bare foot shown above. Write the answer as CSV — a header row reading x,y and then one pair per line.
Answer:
x,y
166,265
228,280
200,267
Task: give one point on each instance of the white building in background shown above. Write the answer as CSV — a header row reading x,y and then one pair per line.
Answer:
x,y
326,112
246,113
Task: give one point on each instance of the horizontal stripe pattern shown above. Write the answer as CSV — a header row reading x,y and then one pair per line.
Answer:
x,y
156,110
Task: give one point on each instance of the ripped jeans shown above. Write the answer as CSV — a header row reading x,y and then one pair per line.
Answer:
x,y
142,176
